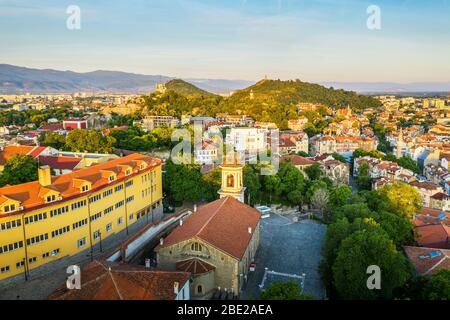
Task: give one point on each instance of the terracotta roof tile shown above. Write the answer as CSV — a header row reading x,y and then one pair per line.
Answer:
x,y
28,193
223,223
113,281
298,160
60,163
428,261
435,235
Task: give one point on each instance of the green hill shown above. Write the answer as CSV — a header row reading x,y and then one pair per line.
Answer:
x,y
295,92
268,100
185,88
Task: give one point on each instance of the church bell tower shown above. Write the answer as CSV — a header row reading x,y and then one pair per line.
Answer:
x,y
232,179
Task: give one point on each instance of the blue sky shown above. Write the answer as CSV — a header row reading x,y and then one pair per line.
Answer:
x,y
314,40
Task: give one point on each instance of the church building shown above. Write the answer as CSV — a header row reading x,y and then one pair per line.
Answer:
x,y
216,245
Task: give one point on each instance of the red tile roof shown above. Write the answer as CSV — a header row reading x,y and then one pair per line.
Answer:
x,y
9,151
440,196
194,266
428,261
428,216
28,194
298,160
434,236
59,163
103,280
51,127
223,224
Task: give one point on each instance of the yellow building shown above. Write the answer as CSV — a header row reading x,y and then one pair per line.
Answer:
x,y
57,217
232,179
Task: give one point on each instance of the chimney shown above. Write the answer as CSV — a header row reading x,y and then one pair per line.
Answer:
x,y
250,230
45,176
161,241
176,287
195,208
181,222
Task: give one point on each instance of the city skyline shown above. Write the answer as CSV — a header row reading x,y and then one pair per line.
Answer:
x,y
316,41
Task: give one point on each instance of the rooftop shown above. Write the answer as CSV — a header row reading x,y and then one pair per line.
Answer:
x,y
114,281
428,261
31,195
217,223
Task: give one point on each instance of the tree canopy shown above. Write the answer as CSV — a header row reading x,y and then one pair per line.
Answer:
x,y
19,169
288,290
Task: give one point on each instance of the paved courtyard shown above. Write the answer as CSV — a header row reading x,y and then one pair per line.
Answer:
x,y
292,248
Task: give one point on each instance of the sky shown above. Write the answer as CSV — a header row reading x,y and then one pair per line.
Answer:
x,y
311,40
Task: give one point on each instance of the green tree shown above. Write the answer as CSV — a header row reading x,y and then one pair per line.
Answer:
x,y
404,200
312,187
19,169
340,196
252,184
291,179
399,230
89,141
320,200
314,172
54,140
212,183
438,286
339,157
183,183
288,290
361,250
296,198
271,185
364,181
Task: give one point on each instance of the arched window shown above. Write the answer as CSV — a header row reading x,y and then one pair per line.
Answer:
x,y
199,289
196,246
230,181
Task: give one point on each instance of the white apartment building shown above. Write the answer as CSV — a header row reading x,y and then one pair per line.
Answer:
x,y
247,139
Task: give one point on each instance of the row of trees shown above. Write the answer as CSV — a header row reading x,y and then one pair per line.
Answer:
x,y
79,141
36,117
370,228
135,139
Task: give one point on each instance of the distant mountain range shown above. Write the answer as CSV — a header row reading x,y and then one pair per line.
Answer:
x,y
14,79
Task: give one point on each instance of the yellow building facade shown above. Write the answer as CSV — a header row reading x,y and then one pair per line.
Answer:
x,y
57,217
